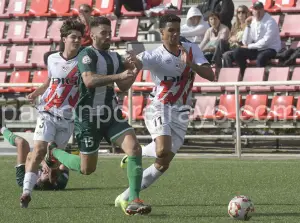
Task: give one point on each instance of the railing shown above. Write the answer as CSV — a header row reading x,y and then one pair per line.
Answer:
x,y
236,85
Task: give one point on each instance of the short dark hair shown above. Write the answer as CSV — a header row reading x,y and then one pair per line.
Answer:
x,y
71,24
213,14
168,18
86,6
96,21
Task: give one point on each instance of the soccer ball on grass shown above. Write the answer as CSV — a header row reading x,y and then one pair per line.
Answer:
x,y
241,208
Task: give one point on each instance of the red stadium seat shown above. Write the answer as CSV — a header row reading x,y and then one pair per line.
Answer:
x,y
295,77
54,31
3,14
204,107
226,108
16,8
198,79
255,107
19,77
131,13
37,56
16,31
297,110
3,64
60,8
129,29
114,38
2,81
279,74
288,6
229,75
288,27
39,8
38,32
138,79
103,7
137,107
39,76
77,3
253,74
281,108
2,38
18,57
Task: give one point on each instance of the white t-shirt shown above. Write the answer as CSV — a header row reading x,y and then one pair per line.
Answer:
x,y
173,79
62,95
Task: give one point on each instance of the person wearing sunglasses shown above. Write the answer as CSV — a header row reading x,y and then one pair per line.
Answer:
x,y
84,17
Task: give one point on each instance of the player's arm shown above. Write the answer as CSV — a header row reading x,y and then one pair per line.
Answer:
x,y
39,91
87,65
199,64
143,61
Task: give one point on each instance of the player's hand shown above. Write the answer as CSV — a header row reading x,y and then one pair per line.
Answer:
x,y
128,74
131,57
184,55
31,97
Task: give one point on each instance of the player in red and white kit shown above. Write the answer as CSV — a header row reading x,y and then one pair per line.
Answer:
x,y
59,96
172,66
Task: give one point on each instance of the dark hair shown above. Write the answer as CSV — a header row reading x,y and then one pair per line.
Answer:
x,y
168,18
47,54
213,14
96,21
86,6
71,24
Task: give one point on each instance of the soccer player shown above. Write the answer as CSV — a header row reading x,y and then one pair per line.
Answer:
x,y
172,66
59,96
48,178
97,114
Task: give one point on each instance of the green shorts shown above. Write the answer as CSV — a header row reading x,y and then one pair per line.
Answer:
x,y
90,130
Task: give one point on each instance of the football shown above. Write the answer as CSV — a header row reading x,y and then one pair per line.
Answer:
x,y
241,208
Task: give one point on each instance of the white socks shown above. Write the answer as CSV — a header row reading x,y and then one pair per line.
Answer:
x,y
150,175
30,180
149,150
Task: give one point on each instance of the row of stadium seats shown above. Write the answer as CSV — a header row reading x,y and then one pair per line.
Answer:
x,y
206,107
40,33
63,8
285,6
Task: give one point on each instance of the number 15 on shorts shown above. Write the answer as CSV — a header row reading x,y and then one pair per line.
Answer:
x,y
89,142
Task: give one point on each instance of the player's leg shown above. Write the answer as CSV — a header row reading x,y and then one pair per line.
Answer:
x,y
44,133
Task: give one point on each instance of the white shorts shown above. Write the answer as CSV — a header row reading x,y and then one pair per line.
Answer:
x,y
52,129
163,120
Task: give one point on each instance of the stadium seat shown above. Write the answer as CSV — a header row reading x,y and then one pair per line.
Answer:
x,y
229,75
297,110
288,5
16,31
19,77
77,3
139,78
226,107
16,8
198,79
131,13
39,8
60,8
279,74
288,27
18,57
253,74
37,56
281,108
53,31
3,64
2,38
255,107
38,32
3,15
2,80
39,76
128,30
295,77
204,107
114,38
103,7
137,107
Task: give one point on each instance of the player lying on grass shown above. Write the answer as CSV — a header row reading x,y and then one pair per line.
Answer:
x,y
48,178
173,66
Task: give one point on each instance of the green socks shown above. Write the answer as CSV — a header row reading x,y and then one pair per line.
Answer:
x,y
135,175
9,136
69,160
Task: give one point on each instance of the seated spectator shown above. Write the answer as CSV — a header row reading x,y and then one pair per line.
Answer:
x,y
84,17
195,26
236,35
261,39
225,8
216,32
134,5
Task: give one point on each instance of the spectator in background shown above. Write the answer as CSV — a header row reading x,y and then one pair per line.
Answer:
x,y
216,32
235,40
84,17
195,26
134,5
261,39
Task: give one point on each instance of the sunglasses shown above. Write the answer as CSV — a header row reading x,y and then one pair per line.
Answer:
x,y
241,12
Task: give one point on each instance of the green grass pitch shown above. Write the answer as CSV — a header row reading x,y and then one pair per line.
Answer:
x,y
193,190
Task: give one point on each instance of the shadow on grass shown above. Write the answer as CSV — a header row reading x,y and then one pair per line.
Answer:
x,y
291,214
190,205
94,188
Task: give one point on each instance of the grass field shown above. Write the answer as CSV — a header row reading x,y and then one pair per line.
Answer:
x,y
194,190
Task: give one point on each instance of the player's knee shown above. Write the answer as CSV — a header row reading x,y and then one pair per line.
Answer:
x,y
37,155
162,152
162,167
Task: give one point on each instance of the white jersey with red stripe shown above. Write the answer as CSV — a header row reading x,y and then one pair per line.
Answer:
x,y
62,95
173,78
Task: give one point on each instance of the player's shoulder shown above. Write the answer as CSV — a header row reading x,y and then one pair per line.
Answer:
x,y
54,56
87,55
87,50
